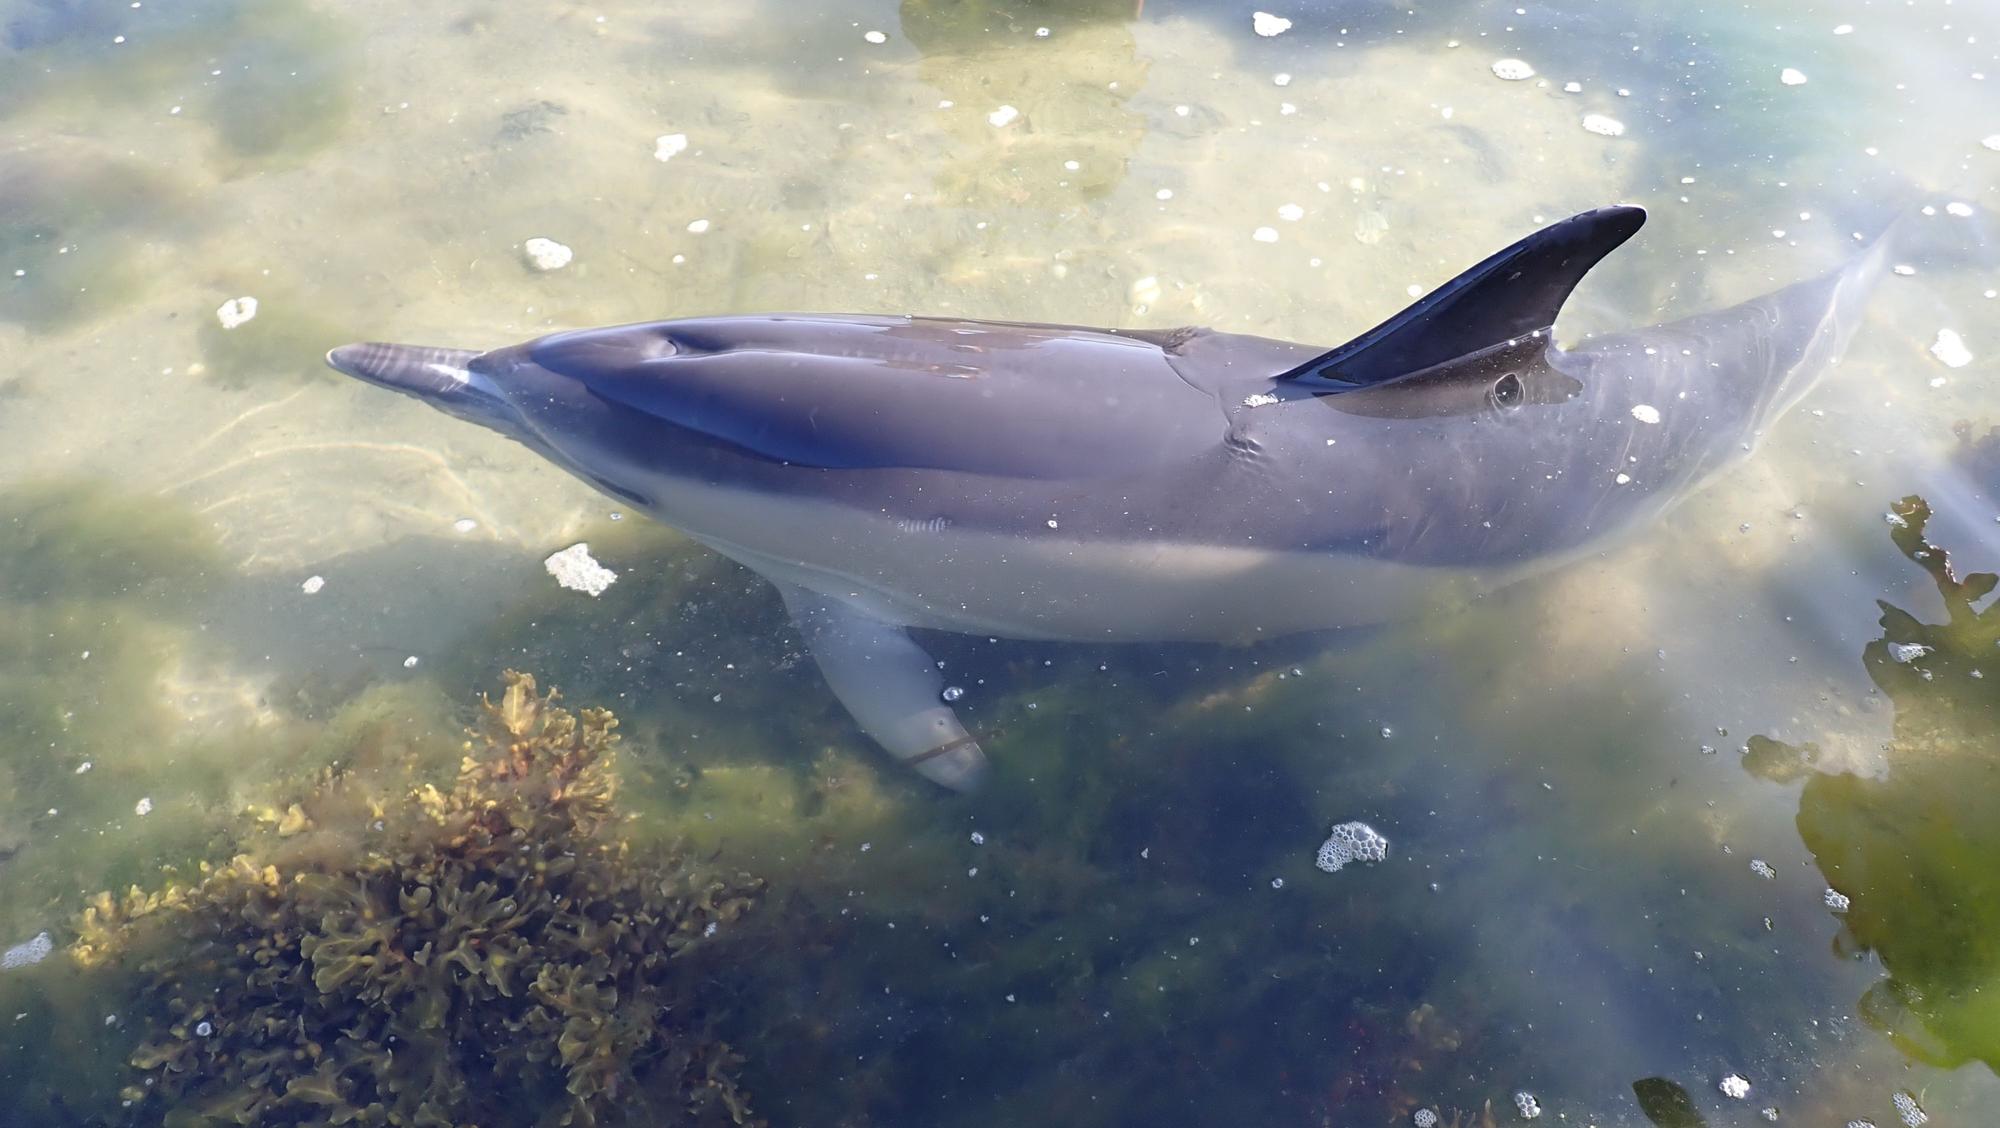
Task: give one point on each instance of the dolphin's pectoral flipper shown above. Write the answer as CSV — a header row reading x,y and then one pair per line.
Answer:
x,y
890,686
1513,294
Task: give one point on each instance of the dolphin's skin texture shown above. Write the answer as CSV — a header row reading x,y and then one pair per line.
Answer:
x,y
1051,482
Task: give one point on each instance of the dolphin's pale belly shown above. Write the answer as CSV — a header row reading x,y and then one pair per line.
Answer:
x,y
1043,585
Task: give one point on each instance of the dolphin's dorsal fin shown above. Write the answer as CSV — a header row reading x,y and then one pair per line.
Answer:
x,y
1512,294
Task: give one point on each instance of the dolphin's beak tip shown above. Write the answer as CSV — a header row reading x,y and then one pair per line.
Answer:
x,y
345,358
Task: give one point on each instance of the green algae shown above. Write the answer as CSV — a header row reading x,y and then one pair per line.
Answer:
x,y
274,76
489,952
92,606
694,650
73,226
84,540
1917,851
284,92
1023,952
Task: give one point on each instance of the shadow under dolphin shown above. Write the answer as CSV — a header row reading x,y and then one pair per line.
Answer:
x,y
1055,482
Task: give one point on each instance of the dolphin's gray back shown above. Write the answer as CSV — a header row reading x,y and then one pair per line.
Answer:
x,y
841,393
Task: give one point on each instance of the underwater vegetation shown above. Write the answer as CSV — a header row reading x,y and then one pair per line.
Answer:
x,y
94,587
74,219
485,953
1666,1104
1916,853
276,88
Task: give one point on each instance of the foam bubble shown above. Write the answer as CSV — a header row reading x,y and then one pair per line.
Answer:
x,y
574,569
27,953
1351,842
1950,350
1267,25
1907,651
669,145
236,311
546,254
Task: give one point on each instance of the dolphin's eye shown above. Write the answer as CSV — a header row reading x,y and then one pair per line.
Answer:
x,y
1508,392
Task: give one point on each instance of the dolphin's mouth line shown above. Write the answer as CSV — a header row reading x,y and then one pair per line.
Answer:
x,y
420,371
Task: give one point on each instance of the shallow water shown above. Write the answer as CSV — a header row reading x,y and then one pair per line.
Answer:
x,y
1569,904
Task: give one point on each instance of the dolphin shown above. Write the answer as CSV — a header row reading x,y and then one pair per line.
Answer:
x,y
1058,482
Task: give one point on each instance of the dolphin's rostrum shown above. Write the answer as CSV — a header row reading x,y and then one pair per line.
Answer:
x,y
1053,482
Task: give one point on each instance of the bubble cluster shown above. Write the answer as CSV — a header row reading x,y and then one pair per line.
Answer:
x,y
1524,1101
546,254
1351,842
574,569
1907,1107
236,311
1907,651
27,953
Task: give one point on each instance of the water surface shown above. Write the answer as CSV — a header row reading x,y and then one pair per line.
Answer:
x,y
1589,884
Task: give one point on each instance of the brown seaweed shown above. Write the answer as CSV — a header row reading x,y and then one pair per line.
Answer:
x,y
490,954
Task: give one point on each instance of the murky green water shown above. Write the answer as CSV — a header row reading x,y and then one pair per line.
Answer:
x,y
1625,802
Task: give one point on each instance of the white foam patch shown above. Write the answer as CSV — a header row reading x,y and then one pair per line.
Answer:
x,y
1513,70
236,311
667,146
1950,350
546,254
574,569
1646,413
1267,25
1351,842
1603,126
28,953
